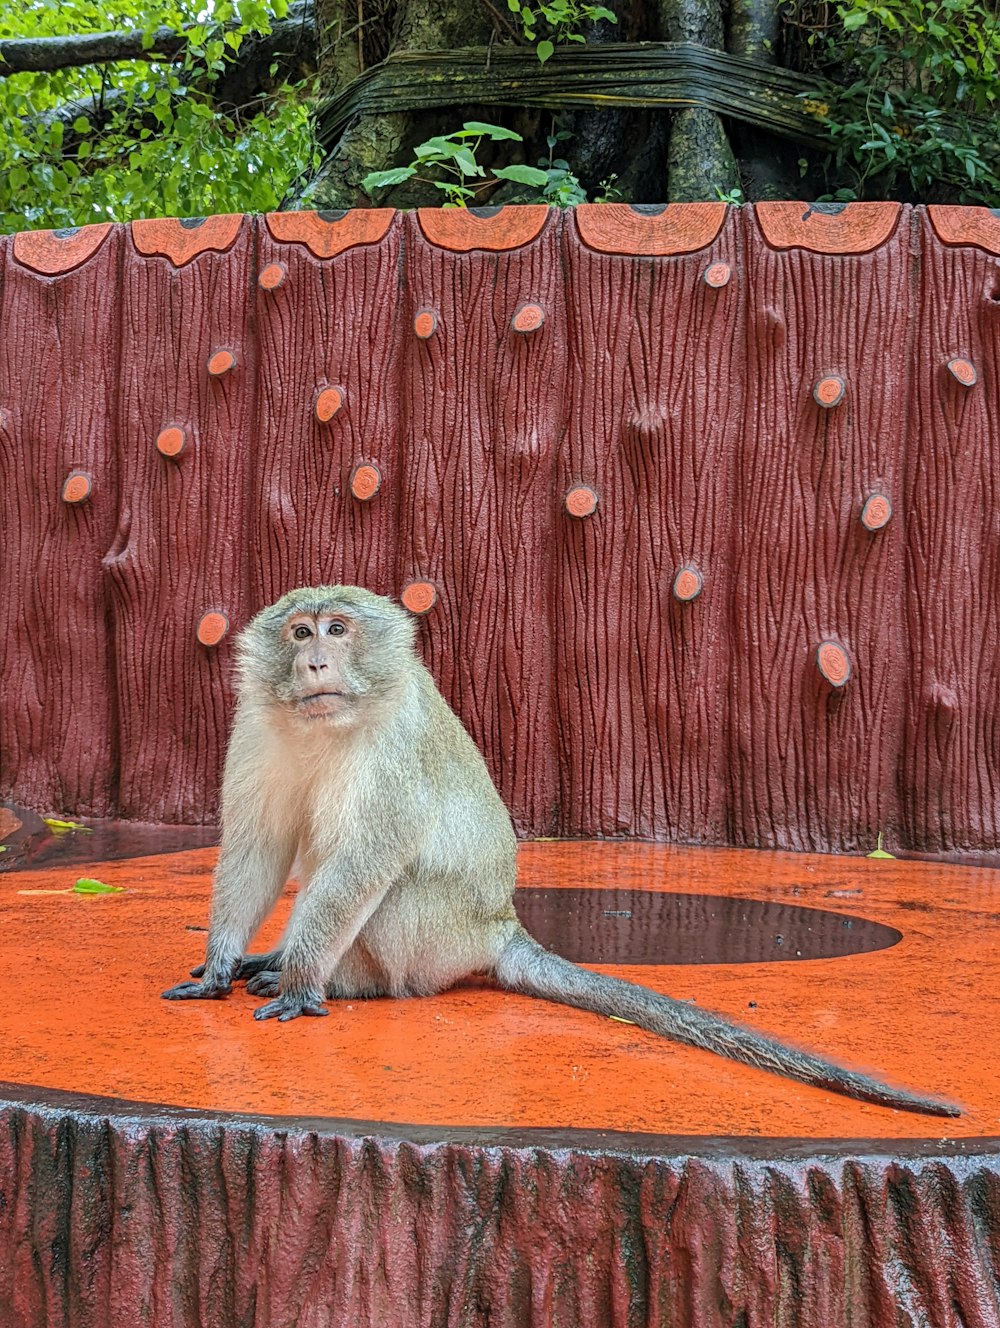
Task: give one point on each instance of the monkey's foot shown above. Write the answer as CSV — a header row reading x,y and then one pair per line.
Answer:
x,y
197,991
249,966
290,1006
265,984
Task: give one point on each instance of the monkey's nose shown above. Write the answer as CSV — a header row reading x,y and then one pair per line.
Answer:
x,y
317,664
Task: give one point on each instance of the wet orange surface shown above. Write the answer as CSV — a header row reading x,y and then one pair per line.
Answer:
x,y
81,1007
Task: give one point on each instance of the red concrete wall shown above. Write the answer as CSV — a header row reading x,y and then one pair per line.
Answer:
x,y
546,431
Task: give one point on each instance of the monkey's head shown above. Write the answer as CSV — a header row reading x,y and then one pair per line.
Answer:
x,y
326,653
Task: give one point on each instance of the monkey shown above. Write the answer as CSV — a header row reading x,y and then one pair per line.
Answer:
x,y
346,760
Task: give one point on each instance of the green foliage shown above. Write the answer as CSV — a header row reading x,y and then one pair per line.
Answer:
x,y
557,21
561,186
455,155
916,108
162,147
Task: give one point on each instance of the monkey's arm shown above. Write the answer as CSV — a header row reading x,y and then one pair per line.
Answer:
x,y
341,898
248,880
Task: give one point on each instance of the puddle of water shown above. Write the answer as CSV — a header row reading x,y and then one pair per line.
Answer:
x,y
650,927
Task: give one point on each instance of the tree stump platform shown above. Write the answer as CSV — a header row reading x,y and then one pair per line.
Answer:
x,y
478,1158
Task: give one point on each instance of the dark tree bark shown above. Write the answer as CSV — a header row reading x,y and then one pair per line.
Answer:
x,y
767,165
376,142
701,162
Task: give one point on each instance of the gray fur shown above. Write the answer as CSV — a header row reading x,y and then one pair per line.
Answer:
x,y
405,846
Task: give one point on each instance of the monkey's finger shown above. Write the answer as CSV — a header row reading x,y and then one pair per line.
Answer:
x,y
196,991
198,972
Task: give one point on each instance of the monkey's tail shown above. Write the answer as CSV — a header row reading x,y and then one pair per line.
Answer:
x,y
525,966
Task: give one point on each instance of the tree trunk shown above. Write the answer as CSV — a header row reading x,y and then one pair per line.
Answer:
x,y
700,163
767,164
376,142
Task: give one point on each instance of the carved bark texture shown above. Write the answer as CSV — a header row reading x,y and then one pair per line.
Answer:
x,y
573,422
115,1222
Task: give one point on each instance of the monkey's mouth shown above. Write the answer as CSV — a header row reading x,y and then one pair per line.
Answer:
x,y
310,697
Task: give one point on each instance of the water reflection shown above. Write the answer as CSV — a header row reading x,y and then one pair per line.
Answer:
x,y
649,927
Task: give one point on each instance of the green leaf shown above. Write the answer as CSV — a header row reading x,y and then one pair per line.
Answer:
x,y
81,125
495,132
87,885
467,163
855,18
544,51
383,179
435,149
522,175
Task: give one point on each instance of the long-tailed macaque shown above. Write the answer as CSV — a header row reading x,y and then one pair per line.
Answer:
x,y
345,755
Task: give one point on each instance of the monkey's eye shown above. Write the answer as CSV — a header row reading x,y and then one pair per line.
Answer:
x,y
337,628
301,633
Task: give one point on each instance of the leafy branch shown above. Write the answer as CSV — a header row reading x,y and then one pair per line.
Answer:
x,y
558,21
455,155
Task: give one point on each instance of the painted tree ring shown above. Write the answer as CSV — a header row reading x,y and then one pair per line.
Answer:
x,y
963,371
272,276
876,512
528,318
829,391
212,628
688,584
834,663
328,401
425,323
171,441
365,482
77,487
581,501
717,275
220,362
419,597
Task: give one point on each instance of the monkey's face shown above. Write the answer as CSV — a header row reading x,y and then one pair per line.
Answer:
x,y
327,654
322,683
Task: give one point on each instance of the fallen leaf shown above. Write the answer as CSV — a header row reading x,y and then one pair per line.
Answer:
x,y
63,827
86,885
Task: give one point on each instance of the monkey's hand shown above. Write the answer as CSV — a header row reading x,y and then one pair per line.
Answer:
x,y
290,1005
265,984
198,991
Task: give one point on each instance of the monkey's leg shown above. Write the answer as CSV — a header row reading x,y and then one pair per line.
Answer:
x,y
248,880
322,930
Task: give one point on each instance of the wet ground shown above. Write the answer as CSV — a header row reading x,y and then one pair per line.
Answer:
x,y
889,966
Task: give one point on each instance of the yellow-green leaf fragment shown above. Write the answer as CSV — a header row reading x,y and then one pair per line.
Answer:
x,y
63,827
87,885
619,1020
878,851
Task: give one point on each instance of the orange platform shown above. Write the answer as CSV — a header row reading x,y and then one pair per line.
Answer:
x,y
82,1013
483,1160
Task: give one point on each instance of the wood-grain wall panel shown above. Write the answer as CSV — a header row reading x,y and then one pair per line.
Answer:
x,y
656,373
59,356
815,765
483,406
951,772
180,550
